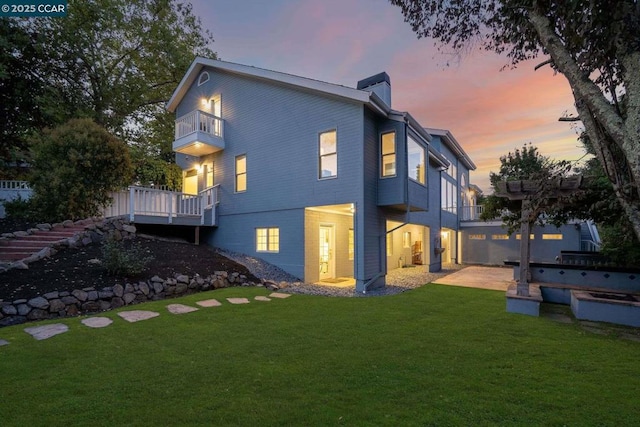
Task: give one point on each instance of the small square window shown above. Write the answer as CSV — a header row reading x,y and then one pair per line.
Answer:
x,y
268,239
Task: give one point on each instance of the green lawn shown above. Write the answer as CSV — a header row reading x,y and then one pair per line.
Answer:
x,y
436,355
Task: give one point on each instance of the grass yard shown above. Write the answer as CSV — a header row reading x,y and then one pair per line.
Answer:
x,y
437,355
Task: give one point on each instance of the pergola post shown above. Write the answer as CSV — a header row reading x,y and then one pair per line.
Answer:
x,y
522,286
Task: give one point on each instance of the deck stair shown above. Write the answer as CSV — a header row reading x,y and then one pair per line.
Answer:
x,y
23,246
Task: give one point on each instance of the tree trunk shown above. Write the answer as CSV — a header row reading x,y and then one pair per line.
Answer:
x,y
602,121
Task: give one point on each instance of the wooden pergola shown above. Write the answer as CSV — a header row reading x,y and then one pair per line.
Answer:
x,y
525,190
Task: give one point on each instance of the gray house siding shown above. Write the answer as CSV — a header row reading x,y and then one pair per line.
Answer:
x,y
371,225
277,128
486,244
392,190
238,233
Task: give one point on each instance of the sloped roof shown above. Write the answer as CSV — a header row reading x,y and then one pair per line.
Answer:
x,y
305,83
454,145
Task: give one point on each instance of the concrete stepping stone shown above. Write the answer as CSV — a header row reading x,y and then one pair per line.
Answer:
x,y
209,303
238,300
46,331
4,342
137,315
180,308
97,322
279,295
261,298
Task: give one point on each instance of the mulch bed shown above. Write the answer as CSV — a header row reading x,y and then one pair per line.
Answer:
x,y
70,268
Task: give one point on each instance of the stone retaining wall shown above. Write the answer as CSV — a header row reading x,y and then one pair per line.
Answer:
x,y
90,300
95,231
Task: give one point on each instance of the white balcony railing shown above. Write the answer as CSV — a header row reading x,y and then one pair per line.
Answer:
x,y
164,205
199,121
471,213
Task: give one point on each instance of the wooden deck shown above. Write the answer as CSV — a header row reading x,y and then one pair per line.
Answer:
x,y
152,206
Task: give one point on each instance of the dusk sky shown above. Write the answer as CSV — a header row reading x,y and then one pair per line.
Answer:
x,y
490,112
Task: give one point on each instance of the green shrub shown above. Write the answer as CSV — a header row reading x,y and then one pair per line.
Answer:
x,y
20,209
117,259
75,167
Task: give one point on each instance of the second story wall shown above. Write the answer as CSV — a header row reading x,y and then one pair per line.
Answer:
x,y
278,129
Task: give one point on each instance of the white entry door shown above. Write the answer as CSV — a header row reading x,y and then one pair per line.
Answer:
x,y
327,252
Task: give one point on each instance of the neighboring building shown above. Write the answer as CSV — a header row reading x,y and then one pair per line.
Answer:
x,y
324,181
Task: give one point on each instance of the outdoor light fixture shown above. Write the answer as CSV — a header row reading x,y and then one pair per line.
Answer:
x,y
205,102
352,209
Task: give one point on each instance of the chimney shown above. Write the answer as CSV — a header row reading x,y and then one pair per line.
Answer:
x,y
380,84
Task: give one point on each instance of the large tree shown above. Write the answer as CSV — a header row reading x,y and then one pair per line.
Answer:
x,y
118,62
595,44
25,101
542,175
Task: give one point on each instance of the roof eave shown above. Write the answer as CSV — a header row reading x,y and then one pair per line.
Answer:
x,y
199,63
453,143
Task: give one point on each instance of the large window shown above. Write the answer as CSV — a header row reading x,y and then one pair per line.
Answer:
x,y
209,175
452,170
388,154
241,173
267,239
416,161
328,154
448,196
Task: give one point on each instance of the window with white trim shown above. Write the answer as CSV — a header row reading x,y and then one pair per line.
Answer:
x,y
388,154
241,173
268,239
448,196
328,153
416,161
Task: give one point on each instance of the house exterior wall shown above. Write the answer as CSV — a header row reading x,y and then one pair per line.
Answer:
x,y
481,244
238,233
277,128
370,220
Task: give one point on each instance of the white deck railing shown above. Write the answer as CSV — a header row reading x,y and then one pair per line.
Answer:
x,y
199,121
14,185
166,205
471,213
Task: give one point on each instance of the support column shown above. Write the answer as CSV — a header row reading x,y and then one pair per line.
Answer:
x,y
525,230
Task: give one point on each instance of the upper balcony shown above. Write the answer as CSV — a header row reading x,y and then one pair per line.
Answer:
x,y
198,134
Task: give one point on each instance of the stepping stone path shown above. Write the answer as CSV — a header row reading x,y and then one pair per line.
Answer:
x,y
97,322
279,295
209,303
180,308
46,331
137,315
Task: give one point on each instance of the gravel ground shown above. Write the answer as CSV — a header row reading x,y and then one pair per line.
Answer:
x,y
398,280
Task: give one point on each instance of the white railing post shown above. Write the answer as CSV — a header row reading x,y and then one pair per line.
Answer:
x,y
131,203
170,197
